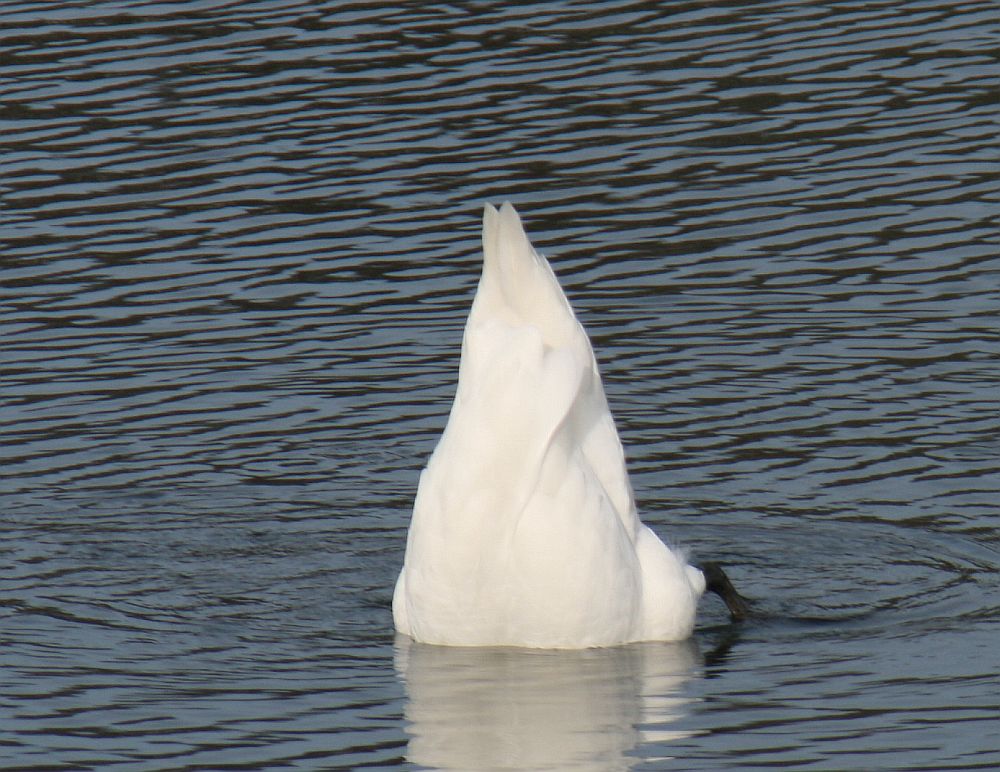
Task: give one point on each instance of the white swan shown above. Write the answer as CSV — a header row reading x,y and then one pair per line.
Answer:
x,y
524,529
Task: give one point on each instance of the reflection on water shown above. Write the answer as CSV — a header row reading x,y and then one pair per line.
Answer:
x,y
510,709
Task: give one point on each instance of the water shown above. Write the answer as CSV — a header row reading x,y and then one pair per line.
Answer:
x,y
238,244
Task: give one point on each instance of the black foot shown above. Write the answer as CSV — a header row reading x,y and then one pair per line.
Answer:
x,y
716,581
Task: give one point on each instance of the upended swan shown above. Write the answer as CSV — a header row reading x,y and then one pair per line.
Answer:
x,y
524,529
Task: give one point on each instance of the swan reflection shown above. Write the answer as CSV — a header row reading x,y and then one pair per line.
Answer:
x,y
504,708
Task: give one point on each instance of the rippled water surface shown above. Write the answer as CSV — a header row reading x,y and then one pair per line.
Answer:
x,y
238,241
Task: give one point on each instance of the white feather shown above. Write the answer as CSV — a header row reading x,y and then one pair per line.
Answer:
x,y
524,529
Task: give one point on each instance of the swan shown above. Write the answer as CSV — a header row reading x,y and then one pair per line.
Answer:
x,y
524,529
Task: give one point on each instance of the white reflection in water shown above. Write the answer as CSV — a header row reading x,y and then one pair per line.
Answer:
x,y
504,708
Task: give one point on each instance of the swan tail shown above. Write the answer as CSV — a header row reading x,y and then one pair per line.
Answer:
x,y
518,284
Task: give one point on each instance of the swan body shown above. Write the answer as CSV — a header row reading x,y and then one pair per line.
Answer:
x,y
524,529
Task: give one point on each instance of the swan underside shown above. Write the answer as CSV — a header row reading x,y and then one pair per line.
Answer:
x,y
524,529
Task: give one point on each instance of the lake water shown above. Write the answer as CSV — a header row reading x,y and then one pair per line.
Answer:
x,y
239,241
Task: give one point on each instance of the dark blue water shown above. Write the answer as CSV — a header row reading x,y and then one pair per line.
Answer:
x,y
237,245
